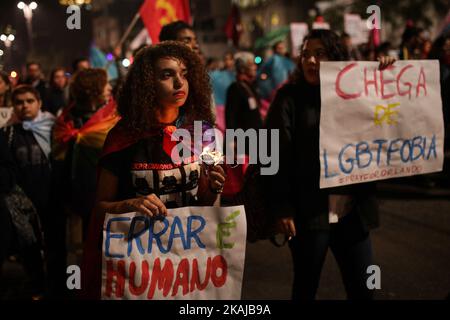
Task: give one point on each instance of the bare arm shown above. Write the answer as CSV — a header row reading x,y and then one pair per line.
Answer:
x,y
107,190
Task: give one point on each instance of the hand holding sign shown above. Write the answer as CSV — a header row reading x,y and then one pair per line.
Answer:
x,y
149,205
177,257
385,62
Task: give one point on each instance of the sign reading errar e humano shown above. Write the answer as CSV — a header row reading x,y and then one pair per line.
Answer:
x,y
379,124
193,253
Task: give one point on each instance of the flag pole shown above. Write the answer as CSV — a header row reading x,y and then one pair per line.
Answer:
x,y
127,32
125,36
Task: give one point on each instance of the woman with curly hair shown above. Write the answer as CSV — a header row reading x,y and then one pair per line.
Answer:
x,y
316,219
166,88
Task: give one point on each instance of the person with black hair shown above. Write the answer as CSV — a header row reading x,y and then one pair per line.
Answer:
x,y
304,210
180,31
412,41
29,145
80,64
35,78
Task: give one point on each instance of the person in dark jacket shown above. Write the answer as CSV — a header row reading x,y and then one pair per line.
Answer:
x,y
303,209
242,107
7,181
29,144
242,111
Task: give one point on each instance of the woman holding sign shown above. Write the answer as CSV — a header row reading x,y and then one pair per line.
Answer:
x,y
166,88
314,218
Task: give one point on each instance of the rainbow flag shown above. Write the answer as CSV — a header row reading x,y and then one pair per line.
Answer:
x,y
91,135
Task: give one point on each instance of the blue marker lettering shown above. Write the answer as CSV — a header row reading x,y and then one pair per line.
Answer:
x,y
110,236
136,236
194,233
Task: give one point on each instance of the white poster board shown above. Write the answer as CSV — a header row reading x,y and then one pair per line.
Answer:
x,y
194,253
298,31
355,27
378,125
5,116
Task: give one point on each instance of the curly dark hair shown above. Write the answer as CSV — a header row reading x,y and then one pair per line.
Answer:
x,y
330,41
137,97
87,87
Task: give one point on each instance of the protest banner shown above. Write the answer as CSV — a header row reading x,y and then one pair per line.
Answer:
x,y
298,31
5,116
193,253
378,125
356,28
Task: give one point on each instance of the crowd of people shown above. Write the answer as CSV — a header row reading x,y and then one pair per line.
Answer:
x,y
74,145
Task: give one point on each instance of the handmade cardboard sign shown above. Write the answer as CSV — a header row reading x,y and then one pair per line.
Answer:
x,y
379,124
193,253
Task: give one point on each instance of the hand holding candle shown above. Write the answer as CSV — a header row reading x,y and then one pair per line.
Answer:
x,y
215,173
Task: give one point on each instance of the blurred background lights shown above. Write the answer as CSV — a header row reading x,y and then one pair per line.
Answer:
x,y
126,63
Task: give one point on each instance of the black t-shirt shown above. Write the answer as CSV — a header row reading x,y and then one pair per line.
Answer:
x,y
144,168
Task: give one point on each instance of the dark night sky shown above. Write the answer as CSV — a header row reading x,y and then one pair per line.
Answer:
x,y
54,44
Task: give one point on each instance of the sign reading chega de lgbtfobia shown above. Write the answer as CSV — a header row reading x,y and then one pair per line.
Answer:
x,y
378,125
194,253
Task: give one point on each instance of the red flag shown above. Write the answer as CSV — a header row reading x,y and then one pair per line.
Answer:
x,y
233,26
157,13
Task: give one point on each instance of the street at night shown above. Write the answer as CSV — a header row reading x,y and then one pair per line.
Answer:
x,y
239,150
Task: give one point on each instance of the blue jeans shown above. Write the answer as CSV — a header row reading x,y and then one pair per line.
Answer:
x,y
351,248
